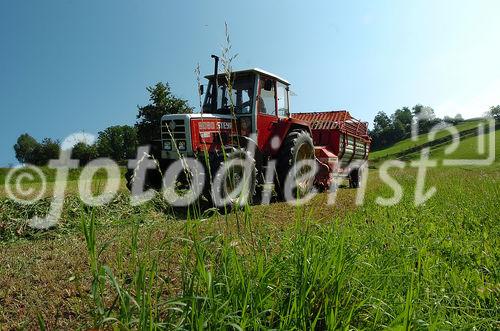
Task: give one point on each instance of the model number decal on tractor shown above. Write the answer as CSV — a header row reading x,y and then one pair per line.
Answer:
x,y
206,126
224,125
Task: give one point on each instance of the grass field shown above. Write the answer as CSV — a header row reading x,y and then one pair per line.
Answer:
x,y
320,266
405,145
50,176
468,149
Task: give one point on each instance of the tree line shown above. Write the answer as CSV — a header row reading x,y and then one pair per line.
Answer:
x,y
118,142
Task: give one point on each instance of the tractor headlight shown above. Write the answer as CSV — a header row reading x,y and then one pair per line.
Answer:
x,y
167,145
181,145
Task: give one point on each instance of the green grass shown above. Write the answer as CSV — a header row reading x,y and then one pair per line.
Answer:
x,y
433,266
50,174
467,149
406,144
50,178
318,267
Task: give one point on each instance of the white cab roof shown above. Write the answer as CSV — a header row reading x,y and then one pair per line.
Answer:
x,y
256,70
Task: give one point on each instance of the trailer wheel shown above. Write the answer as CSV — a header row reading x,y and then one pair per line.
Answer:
x,y
297,146
355,177
235,180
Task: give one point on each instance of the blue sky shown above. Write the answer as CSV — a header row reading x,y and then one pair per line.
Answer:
x,y
69,66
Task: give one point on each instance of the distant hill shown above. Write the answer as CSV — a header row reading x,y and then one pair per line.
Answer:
x,y
467,149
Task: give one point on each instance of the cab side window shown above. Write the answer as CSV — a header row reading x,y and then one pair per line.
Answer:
x,y
282,100
266,103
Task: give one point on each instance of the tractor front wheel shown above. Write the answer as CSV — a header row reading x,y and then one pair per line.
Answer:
x,y
234,179
152,180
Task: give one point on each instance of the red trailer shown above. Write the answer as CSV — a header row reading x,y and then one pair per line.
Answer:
x,y
341,145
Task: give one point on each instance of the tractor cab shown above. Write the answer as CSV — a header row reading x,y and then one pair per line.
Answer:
x,y
256,99
244,107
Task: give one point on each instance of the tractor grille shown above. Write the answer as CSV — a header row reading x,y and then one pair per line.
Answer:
x,y
168,130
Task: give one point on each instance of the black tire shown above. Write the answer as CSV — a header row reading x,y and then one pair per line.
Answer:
x,y
153,179
224,182
129,174
297,146
355,177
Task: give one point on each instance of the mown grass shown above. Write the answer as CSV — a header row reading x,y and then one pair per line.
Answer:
x,y
35,182
318,267
467,149
408,143
50,174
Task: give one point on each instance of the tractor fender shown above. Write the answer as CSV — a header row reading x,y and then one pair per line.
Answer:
x,y
300,126
283,129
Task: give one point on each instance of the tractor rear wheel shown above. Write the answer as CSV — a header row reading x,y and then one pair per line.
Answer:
x,y
298,146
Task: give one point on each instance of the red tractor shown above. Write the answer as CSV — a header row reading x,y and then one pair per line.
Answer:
x,y
246,116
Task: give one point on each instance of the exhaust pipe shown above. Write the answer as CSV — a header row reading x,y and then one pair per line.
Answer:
x,y
215,87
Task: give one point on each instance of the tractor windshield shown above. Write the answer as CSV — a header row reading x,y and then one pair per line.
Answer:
x,y
238,97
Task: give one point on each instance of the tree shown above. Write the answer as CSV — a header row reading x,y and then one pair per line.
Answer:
x,y
25,148
381,130
28,150
84,152
47,150
397,132
381,122
117,142
403,116
424,112
495,112
389,130
453,120
162,102
448,119
426,117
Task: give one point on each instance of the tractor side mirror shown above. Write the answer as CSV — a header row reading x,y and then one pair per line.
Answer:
x,y
201,89
268,85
